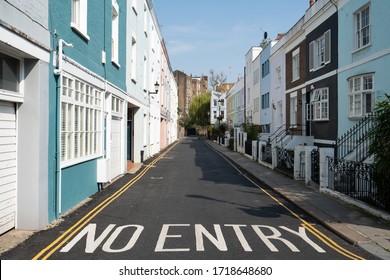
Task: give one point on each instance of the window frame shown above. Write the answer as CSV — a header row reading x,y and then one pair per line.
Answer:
x,y
265,68
115,33
358,28
19,73
81,129
320,51
319,105
295,61
79,22
265,101
358,94
133,68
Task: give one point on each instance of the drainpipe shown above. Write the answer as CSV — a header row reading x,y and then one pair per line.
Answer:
x,y
58,72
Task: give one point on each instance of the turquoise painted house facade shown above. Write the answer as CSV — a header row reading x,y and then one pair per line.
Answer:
x,y
364,59
87,91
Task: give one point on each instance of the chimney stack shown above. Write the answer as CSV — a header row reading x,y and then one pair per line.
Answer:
x,y
311,2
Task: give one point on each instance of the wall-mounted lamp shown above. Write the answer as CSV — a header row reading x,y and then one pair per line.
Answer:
x,y
312,87
156,87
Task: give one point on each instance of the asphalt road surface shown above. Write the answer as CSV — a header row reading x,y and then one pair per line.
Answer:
x,y
187,203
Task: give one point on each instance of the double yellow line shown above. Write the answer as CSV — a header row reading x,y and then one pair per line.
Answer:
x,y
321,236
63,238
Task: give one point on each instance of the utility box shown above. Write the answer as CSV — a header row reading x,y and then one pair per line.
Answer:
x,y
103,170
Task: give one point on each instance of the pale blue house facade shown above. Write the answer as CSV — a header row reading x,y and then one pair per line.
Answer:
x,y
364,59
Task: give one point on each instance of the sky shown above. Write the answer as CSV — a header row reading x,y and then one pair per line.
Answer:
x,y
216,34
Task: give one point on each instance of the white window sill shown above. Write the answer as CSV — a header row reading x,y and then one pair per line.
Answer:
x,y
320,120
82,33
362,48
295,79
11,96
72,162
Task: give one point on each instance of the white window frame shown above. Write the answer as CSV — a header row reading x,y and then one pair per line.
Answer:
x,y
115,34
146,20
145,73
79,20
295,65
117,106
278,76
320,52
265,101
318,109
256,76
19,81
81,121
256,106
265,68
133,72
362,32
134,6
361,95
293,111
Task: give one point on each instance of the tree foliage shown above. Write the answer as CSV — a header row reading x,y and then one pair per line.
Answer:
x,y
199,111
252,130
380,147
216,79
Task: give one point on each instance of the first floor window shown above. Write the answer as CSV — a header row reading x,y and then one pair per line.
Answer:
x,y
361,95
9,73
265,101
293,111
81,120
318,109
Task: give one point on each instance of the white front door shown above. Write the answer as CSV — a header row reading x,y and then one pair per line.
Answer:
x,y
116,147
7,166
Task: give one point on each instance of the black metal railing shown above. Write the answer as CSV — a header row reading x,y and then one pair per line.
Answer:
x,y
315,165
266,153
285,161
285,133
248,148
356,179
356,140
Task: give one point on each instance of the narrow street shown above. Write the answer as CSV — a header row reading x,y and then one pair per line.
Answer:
x,y
189,203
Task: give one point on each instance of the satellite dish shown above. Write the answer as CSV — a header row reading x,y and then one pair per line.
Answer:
x,y
265,35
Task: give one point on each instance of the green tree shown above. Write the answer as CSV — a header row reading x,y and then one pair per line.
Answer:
x,y
252,130
199,110
380,148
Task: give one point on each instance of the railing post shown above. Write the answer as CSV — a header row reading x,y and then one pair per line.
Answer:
x,y
274,156
325,153
299,163
308,150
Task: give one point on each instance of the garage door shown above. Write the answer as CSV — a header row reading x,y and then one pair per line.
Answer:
x,y
116,151
7,166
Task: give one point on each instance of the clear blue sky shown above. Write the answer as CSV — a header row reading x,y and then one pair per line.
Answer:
x,y
216,34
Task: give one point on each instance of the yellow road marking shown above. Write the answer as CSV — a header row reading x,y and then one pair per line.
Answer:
x,y
56,244
332,244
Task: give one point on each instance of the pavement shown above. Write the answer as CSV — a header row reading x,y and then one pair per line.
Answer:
x,y
360,226
357,223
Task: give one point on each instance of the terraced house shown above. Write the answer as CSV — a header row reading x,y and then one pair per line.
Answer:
x,y
85,87
326,75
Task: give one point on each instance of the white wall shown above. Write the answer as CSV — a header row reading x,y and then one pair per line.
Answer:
x,y
252,64
277,93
